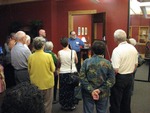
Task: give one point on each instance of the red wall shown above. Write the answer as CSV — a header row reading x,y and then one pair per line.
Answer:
x,y
83,21
135,22
116,15
54,15
27,12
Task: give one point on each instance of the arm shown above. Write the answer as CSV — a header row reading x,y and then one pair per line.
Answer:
x,y
84,81
110,81
76,57
58,60
115,59
52,65
81,43
29,66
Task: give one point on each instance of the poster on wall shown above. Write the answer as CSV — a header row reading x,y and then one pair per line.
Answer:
x,y
85,30
82,30
79,31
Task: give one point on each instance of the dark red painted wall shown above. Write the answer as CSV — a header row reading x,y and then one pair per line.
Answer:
x,y
83,21
135,22
116,15
27,12
54,15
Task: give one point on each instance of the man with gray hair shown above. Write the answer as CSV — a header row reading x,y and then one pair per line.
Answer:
x,y
124,60
19,58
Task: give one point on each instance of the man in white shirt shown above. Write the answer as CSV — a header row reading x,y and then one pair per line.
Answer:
x,y
124,60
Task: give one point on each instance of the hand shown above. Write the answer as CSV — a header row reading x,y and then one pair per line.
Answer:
x,y
95,94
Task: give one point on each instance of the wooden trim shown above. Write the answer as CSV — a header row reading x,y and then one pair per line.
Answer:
x,y
6,2
78,12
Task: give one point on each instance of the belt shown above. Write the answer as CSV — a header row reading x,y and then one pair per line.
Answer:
x,y
129,74
21,69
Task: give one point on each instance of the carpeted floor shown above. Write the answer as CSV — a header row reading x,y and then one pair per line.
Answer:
x,y
140,98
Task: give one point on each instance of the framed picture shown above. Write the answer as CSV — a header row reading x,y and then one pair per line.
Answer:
x,y
82,30
79,31
85,31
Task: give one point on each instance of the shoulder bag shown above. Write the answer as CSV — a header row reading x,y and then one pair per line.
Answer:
x,y
73,78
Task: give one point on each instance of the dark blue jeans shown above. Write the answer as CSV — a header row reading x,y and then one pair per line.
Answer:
x,y
120,98
88,104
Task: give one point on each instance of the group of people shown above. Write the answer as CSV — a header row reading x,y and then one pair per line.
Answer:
x,y
37,66
103,82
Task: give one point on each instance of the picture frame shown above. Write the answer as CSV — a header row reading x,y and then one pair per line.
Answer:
x,y
85,31
79,31
82,30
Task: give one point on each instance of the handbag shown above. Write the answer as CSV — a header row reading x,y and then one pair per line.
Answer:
x,y
78,92
73,78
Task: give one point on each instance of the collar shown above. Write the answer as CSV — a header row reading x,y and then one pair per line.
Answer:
x,y
72,38
41,50
48,51
101,56
125,42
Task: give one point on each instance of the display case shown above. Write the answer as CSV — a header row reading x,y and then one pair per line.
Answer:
x,y
143,34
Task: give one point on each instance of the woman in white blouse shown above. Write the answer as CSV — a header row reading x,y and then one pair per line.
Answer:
x,y
66,91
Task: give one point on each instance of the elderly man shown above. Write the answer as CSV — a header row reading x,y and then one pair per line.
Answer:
x,y
19,58
75,44
124,60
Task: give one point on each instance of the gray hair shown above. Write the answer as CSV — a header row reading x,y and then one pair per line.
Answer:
x,y
19,35
28,37
49,45
38,43
120,35
132,41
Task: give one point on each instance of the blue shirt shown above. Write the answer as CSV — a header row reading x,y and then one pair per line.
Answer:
x,y
75,44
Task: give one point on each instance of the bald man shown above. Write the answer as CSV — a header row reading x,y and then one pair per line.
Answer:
x,y
19,58
42,33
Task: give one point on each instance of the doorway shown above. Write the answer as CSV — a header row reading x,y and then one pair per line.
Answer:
x,y
79,12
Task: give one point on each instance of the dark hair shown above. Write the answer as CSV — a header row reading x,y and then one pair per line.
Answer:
x,y
64,41
98,47
23,98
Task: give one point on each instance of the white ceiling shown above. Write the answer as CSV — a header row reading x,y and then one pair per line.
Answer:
x,y
140,7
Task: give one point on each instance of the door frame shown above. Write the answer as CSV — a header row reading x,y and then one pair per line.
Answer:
x,y
77,12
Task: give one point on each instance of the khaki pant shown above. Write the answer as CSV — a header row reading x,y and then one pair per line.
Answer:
x,y
48,98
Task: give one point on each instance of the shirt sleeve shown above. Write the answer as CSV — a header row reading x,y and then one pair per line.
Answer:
x,y
115,59
52,65
110,81
81,43
84,81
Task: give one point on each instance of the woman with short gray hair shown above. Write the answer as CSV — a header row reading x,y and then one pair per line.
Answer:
x,y
49,49
41,68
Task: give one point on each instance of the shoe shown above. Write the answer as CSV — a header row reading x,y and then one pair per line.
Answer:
x,y
73,108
